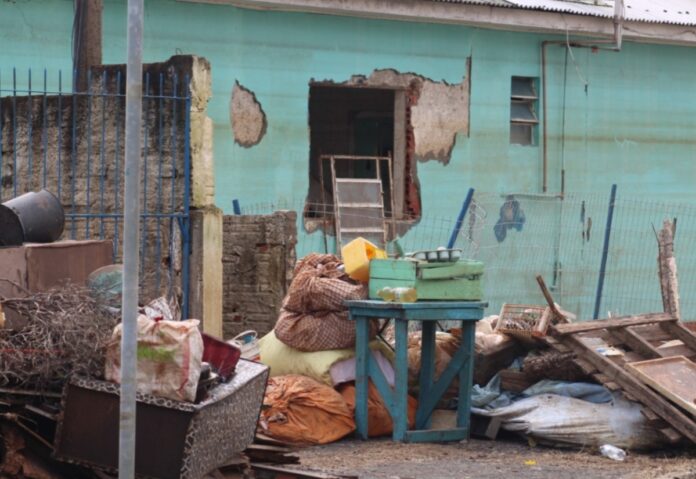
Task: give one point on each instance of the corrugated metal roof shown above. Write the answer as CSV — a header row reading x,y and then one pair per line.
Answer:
x,y
671,12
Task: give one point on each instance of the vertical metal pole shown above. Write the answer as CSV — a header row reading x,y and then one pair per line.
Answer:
x,y
605,252
131,230
460,219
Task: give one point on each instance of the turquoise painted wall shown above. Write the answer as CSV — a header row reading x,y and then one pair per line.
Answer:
x,y
629,118
35,34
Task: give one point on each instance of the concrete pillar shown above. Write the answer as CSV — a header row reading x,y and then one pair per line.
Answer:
x,y
205,287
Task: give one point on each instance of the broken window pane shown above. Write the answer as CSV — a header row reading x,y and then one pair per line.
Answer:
x,y
523,108
522,111
523,87
521,134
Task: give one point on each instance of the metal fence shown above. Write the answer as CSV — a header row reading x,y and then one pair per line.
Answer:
x,y
518,236
72,144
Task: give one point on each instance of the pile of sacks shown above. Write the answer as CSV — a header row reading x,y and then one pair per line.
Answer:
x,y
310,397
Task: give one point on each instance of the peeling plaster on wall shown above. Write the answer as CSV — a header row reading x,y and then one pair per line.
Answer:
x,y
247,118
440,111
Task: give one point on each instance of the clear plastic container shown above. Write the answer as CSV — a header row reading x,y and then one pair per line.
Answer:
x,y
612,452
398,295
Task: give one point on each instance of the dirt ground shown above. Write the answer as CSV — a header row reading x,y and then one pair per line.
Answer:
x,y
478,459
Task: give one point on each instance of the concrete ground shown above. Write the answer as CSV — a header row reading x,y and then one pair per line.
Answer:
x,y
478,459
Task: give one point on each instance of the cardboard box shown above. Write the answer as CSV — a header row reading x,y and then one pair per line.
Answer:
x,y
39,267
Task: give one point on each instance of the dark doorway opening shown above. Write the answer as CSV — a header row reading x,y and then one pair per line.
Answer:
x,y
353,122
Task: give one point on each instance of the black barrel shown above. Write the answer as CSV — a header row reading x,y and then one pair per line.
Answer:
x,y
40,215
11,233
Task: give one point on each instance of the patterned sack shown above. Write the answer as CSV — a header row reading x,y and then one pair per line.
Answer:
x,y
169,358
313,316
318,285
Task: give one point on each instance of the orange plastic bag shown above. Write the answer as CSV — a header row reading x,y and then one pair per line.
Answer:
x,y
379,421
299,410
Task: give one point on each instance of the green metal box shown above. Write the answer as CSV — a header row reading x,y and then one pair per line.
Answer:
x,y
460,280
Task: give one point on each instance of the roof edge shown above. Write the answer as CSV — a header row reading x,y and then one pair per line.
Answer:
x,y
481,16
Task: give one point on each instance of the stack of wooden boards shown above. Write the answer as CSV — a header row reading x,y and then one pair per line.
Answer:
x,y
647,357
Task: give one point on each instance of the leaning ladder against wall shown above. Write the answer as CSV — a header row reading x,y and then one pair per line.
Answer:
x,y
71,144
358,203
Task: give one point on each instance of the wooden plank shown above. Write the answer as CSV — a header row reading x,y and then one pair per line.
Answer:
x,y
674,377
633,387
636,343
678,331
574,328
267,471
671,435
586,367
652,332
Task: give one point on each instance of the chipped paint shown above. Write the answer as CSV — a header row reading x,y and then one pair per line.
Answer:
x,y
247,117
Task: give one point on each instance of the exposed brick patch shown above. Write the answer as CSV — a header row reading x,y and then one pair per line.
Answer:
x,y
258,259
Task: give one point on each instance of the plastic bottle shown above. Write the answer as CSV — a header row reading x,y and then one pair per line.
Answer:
x,y
399,295
612,452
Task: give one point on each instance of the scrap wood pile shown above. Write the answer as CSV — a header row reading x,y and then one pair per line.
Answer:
x,y
628,381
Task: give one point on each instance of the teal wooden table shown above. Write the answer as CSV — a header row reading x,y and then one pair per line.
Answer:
x,y
430,391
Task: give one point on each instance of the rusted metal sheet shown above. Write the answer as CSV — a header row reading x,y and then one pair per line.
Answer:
x,y
173,439
38,267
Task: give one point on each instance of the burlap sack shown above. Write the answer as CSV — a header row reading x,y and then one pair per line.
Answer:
x,y
299,410
313,316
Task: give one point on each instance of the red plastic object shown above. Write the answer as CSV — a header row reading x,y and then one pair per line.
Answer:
x,y
223,357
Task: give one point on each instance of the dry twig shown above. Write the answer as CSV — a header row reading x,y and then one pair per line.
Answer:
x,y
66,333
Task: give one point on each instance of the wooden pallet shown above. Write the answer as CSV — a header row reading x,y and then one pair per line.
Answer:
x,y
605,348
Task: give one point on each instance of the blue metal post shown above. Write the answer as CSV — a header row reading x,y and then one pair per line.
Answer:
x,y
235,207
605,252
460,219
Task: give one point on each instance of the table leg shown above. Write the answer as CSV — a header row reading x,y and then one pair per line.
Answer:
x,y
427,373
362,357
400,416
466,376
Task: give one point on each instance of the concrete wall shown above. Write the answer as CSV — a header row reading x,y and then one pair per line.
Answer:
x,y
258,259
